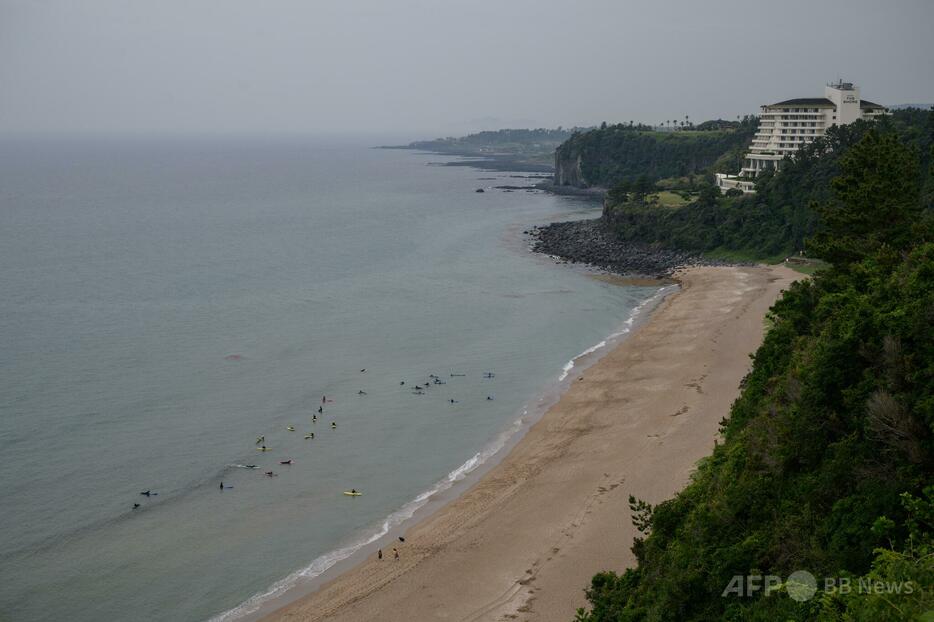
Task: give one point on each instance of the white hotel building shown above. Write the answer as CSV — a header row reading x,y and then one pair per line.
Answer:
x,y
787,126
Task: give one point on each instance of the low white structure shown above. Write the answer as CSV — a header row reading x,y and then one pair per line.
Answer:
x,y
787,126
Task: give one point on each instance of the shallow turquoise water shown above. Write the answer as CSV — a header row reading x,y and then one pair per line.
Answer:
x,y
165,302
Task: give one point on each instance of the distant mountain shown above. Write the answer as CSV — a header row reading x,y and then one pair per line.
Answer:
x,y
904,106
529,150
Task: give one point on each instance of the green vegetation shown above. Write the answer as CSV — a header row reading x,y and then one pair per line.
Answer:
x,y
621,153
808,267
537,145
775,221
667,198
827,459
743,256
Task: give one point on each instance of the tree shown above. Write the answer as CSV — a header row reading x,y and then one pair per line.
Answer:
x,y
876,202
641,187
709,195
619,193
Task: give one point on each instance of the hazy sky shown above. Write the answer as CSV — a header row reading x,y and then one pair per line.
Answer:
x,y
441,67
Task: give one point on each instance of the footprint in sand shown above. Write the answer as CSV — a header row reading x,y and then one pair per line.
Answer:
x,y
683,410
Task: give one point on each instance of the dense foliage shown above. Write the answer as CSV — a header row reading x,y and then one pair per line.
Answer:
x,y
827,456
623,153
775,221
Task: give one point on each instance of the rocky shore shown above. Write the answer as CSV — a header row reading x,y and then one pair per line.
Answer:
x,y
589,242
553,188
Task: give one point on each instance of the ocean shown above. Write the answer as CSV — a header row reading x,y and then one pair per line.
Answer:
x,y
166,302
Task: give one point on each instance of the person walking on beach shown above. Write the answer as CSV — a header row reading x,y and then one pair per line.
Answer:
x,y
379,554
395,553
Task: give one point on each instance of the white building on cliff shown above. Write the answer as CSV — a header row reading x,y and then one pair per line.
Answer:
x,y
788,125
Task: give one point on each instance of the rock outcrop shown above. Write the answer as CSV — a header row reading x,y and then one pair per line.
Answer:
x,y
591,242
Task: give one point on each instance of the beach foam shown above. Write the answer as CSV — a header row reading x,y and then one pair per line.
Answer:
x,y
324,562
648,303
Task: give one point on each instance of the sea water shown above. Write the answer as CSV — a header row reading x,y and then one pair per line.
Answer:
x,y
165,302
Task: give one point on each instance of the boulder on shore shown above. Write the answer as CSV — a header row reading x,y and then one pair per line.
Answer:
x,y
592,242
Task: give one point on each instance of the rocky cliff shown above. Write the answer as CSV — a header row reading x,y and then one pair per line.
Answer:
x,y
606,156
568,170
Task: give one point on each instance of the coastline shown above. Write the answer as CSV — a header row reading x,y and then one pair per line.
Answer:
x,y
527,536
330,566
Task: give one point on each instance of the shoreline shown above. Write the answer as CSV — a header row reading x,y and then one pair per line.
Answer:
x,y
527,535
484,161
295,587
592,243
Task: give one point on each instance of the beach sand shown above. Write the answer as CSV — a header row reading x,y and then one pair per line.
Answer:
x,y
524,541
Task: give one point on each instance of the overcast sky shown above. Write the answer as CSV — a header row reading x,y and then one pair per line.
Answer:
x,y
441,67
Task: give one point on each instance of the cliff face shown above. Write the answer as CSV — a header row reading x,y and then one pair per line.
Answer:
x,y
607,156
568,170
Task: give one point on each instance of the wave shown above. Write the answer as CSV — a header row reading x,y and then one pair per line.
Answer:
x,y
321,564
324,562
160,498
627,326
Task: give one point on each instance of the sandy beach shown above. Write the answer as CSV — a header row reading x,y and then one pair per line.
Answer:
x,y
524,541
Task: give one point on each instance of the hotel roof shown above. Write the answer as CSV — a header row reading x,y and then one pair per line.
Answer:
x,y
806,101
823,102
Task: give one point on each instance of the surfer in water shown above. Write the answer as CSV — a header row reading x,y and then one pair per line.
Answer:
x,y
222,485
320,409
333,425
